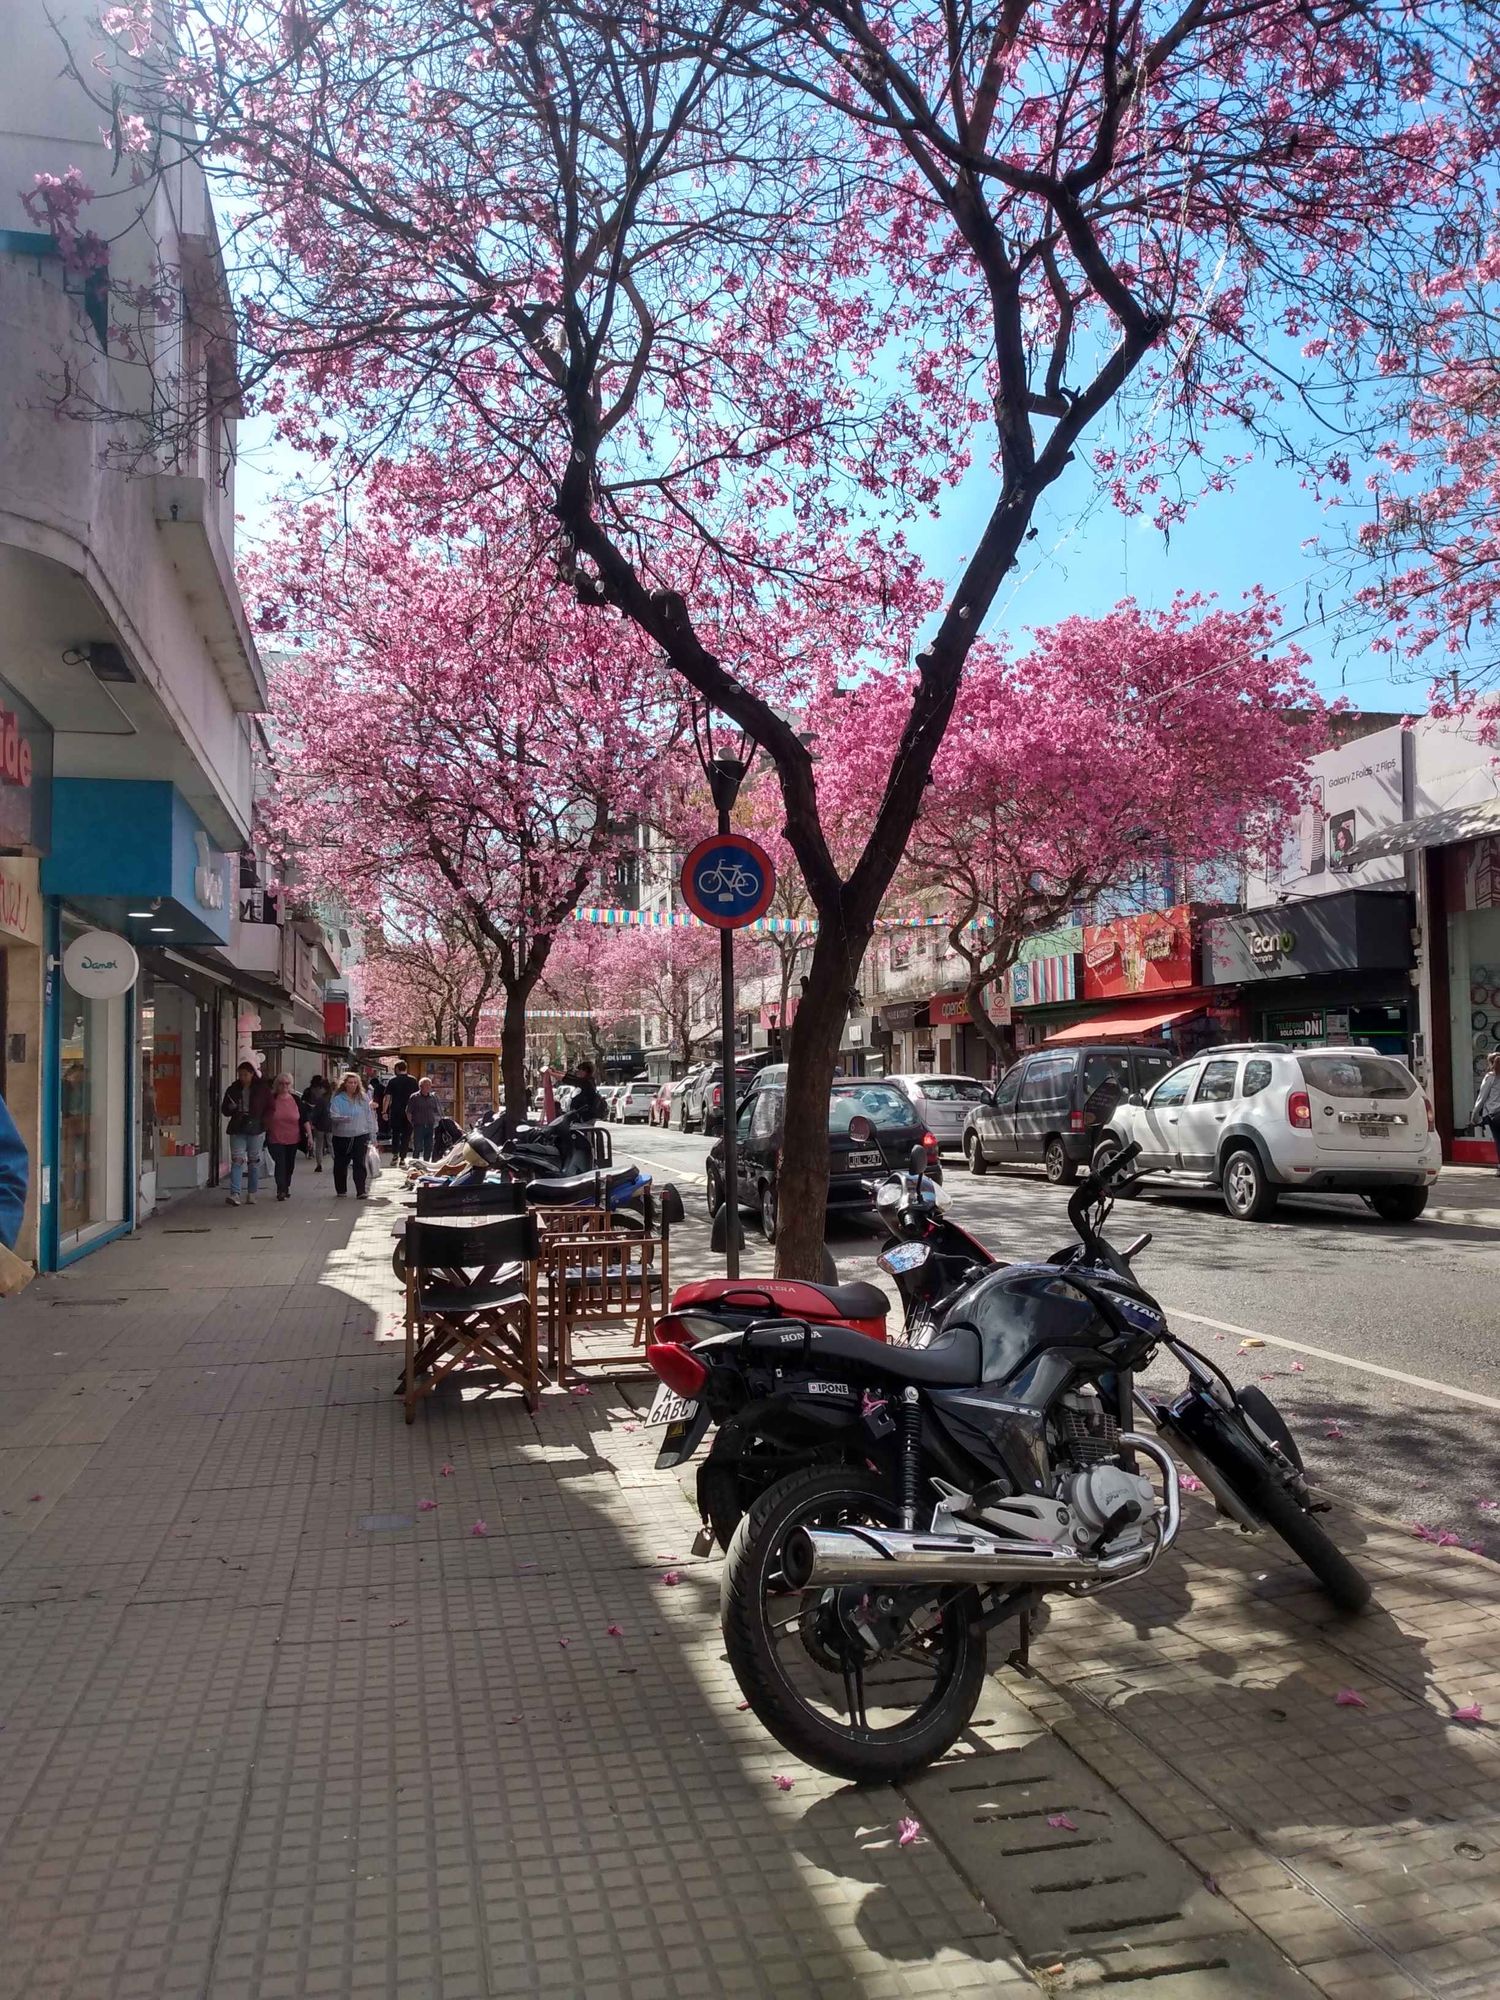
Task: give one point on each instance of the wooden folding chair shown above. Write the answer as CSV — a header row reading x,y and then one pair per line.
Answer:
x,y
610,1278
441,1199
471,1296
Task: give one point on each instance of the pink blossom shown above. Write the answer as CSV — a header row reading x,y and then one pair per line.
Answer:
x,y
782,1784
426,1506
1472,1712
1063,1821
908,1831
1349,1698
479,1528
671,1576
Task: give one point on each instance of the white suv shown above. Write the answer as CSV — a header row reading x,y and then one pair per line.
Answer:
x,y
1261,1121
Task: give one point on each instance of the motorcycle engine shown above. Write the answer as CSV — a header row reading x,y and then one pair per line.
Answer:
x,y
1097,1493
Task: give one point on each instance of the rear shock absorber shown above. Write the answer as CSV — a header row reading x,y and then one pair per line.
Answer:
x,y
911,1455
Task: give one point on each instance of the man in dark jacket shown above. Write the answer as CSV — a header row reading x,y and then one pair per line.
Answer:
x,y
399,1093
588,1105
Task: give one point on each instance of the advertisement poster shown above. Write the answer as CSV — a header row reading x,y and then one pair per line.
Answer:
x,y
1149,953
1357,790
166,1073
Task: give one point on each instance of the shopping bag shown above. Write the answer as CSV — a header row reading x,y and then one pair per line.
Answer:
x,y
15,1273
373,1162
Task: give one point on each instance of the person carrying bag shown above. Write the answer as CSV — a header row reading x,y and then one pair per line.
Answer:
x,y
351,1126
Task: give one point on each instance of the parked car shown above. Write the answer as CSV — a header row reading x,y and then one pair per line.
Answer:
x,y
943,1103
633,1101
1050,1109
1261,1121
668,1108
872,1128
692,1096
660,1104
703,1104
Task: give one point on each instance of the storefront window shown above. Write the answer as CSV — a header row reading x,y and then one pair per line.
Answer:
x,y
1474,995
91,1148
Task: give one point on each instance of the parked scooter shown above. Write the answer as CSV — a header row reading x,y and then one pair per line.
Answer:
x,y
927,1495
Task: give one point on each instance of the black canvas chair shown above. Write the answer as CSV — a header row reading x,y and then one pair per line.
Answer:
x,y
471,1297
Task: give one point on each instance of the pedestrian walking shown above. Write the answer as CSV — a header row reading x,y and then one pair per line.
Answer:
x,y
395,1105
1487,1103
351,1125
244,1105
286,1128
422,1113
315,1111
15,1175
588,1105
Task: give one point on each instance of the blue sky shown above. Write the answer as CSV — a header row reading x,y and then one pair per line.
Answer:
x,y
1086,556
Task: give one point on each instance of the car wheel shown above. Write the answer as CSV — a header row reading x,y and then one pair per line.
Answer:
x,y
1248,1195
1104,1152
714,1192
768,1211
974,1154
1398,1204
1061,1171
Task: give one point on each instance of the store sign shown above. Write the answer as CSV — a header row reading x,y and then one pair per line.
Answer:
x,y
100,965
1050,980
1364,930
1149,953
25,775
208,876
20,900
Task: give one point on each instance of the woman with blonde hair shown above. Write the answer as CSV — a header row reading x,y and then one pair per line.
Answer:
x,y
286,1129
351,1126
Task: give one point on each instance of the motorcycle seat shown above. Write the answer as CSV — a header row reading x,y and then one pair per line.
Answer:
x,y
564,1191
952,1361
798,1298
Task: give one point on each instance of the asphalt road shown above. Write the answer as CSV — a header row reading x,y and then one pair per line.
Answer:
x,y
1349,1295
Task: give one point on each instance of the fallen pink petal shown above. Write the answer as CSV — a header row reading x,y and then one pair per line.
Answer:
x,y
1424,1534
426,1506
908,1831
782,1784
1064,1821
1448,1540
1349,1698
1190,1483
631,1427
1488,1506
565,1643
580,1389
33,1496
1299,1367
615,1631
671,1576
479,1528
1334,1431
445,1472
1471,1712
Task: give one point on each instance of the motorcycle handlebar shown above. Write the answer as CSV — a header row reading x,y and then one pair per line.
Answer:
x,y
1094,1186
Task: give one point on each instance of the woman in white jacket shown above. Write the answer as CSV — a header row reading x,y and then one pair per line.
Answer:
x,y
351,1126
1487,1104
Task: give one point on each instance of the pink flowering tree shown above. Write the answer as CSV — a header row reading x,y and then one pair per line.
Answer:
x,y
735,291
425,981
458,743
1171,737
581,983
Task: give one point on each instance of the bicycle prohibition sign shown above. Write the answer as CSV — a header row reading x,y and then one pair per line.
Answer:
x,y
728,881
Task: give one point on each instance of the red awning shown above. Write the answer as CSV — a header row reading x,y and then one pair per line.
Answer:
x,y
1139,1022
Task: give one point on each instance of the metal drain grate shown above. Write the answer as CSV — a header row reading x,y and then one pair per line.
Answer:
x,y
1080,1882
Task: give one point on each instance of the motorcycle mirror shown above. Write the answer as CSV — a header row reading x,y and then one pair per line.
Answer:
x,y
916,1160
861,1131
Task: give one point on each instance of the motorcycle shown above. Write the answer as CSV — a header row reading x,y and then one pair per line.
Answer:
x,y
927,1495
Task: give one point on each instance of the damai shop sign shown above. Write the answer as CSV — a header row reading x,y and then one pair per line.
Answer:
x,y
1148,953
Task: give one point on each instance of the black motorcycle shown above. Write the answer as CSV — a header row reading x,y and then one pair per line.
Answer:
x,y
934,1493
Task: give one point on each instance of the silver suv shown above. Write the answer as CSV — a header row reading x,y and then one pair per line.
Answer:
x,y
1261,1120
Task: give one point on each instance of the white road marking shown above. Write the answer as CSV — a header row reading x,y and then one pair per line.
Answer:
x,y
1343,1360
672,1173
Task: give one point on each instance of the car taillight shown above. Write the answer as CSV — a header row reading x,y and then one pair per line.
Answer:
x,y
1431,1115
678,1367
932,1148
1077,1122
1299,1110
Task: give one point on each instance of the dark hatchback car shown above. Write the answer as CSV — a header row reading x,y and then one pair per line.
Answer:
x,y
872,1128
1050,1108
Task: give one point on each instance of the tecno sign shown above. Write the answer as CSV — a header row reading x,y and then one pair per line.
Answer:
x,y
1267,946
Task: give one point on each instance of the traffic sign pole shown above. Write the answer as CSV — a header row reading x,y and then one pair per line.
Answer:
x,y
728,881
726,1044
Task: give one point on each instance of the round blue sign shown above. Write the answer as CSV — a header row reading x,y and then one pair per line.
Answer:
x,y
728,881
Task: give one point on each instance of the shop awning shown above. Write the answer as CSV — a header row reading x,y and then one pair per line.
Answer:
x,y
1442,829
1140,1022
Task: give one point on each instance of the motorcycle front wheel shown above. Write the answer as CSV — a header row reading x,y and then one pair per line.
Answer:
x,y
869,1685
1242,1461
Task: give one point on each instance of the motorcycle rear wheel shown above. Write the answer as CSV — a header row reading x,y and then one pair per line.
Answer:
x,y
763,1647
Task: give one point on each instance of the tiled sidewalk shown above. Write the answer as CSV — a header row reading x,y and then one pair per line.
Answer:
x,y
268,1727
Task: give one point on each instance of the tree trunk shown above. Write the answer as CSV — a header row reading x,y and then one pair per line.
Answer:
x,y
802,1202
990,1031
788,963
513,1056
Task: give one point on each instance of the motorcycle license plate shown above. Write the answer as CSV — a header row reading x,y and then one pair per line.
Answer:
x,y
903,1257
685,1423
856,1160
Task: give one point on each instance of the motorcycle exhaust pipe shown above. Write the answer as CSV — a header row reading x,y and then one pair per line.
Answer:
x,y
830,1557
